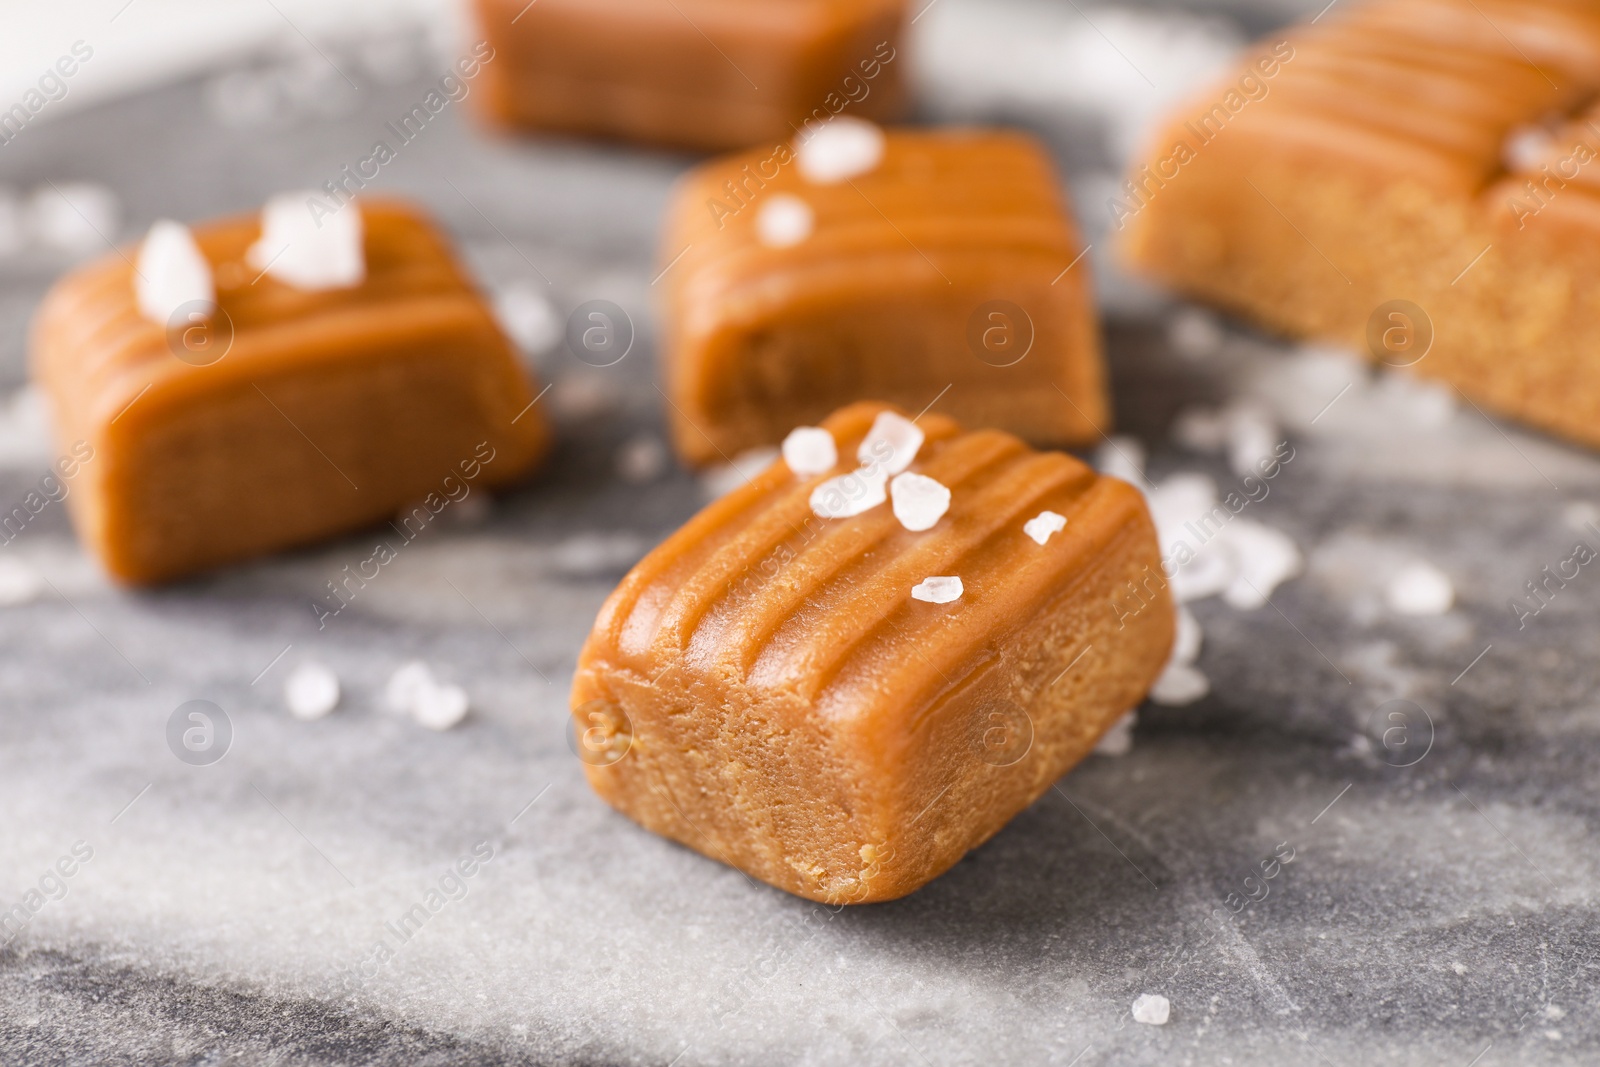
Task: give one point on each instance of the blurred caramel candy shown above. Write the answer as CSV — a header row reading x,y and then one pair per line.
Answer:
x,y
710,74
945,268
285,415
1419,179
766,687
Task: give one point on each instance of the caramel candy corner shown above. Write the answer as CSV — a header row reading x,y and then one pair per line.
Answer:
x,y
286,417
1442,216
821,704
950,271
706,74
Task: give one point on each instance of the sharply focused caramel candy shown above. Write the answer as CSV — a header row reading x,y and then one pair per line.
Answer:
x,y
945,265
1419,178
327,410
767,688
712,74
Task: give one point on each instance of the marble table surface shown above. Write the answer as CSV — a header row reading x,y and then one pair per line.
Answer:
x,y
1440,907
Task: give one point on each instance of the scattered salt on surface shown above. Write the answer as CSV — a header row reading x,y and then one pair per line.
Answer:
x,y
937,590
19,584
1253,437
810,450
528,317
307,251
851,494
75,217
311,692
1122,457
404,685
1420,588
641,459
13,226
1527,147
1201,429
1179,684
1044,525
585,395
785,221
1118,741
1265,558
1186,645
1195,333
919,501
172,272
1152,1009
439,707
840,149
720,481
891,444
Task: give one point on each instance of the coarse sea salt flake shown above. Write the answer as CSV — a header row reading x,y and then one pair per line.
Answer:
x,y
785,221
310,251
840,149
1044,525
937,590
1152,1009
919,501
1420,588
439,707
311,692
810,450
851,494
892,444
1179,685
172,272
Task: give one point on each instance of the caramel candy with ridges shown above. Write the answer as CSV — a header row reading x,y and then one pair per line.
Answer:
x,y
1418,179
327,410
945,265
764,687
706,74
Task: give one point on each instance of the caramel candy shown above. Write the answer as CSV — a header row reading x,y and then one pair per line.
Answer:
x,y
286,415
949,263
708,74
843,707
1417,178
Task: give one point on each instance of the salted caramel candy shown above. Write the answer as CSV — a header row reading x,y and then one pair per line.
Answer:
x,y
932,265
1419,179
234,413
708,74
770,688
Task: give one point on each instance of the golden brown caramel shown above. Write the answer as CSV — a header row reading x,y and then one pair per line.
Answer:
x,y
945,267
328,411
764,688
1417,178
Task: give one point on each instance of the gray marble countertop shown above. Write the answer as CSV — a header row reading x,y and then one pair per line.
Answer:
x,y
1440,908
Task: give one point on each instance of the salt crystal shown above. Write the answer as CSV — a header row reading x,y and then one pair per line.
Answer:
x,y
720,481
1253,438
810,450
405,684
311,692
1186,645
937,590
1179,685
891,445
1195,333
1044,525
75,216
528,318
850,494
1118,741
1122,457
1152,1009
840,149
1202,430
19,584
1526,147
585,395
306,245
1265,558
439,707
919,501
1210,571
1420,588
172,272
641,459
785,221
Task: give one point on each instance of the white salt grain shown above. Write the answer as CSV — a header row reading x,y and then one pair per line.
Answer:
x,y
1179,685
1253,438
641,459
528,317
1200,429
840,149
305,245
1044,525
810,450
1153,1009
1526,147
891,445
172,272
785,221
19,584
1186,645
850,494
1420,588
1118,741
311,692
439,707
937,590
1265,558
405,684
919,501
75,217
1195,333
1122,457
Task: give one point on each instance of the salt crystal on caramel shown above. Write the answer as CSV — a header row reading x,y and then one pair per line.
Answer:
x,y
768,688
278,413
